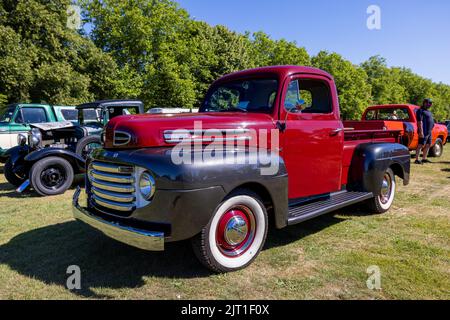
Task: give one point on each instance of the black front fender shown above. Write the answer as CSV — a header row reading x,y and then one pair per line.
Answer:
x,y
370,162
77,162
187,194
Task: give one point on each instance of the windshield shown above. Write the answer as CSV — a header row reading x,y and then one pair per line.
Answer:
x,y
70,114
256,95
7,115
393,114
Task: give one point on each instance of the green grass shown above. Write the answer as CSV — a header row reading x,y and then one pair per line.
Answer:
x,y
325,258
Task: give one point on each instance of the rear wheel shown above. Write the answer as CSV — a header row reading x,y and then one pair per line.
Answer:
x,y
437,149
383,202
235,235
51,176
10,175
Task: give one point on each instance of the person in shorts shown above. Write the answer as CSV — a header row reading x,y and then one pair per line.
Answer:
x,y
425,125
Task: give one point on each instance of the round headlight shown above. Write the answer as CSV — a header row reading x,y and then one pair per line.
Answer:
x,y
36,138
21,139
147,186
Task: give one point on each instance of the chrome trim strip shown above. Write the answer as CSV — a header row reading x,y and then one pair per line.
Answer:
x,y
111,177
118,197
111,168
225,132
146,240
112,186
113,205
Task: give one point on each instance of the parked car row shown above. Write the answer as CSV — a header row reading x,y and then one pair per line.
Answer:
x,y
51,154
137,194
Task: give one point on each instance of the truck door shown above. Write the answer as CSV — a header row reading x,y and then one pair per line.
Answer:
x,y
312,143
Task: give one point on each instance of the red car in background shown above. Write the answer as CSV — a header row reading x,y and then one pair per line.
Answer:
x,y
400,117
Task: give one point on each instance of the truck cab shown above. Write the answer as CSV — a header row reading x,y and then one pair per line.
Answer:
x,y
267,145
16,120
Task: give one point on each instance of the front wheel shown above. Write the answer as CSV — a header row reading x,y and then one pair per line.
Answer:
x,y
235,235
383,202
437,149
51,176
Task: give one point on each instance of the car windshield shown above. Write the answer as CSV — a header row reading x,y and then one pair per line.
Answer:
x,y
257,95
70,114
393,114
7,114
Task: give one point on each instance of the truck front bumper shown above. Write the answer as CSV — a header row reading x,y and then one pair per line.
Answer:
x,y
146,240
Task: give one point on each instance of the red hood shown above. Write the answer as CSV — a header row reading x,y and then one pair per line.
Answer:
x,y
147,130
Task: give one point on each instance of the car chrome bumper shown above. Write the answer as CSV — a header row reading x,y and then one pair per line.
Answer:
x,y
146,240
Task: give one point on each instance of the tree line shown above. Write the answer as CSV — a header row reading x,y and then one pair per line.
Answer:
x,y
153,50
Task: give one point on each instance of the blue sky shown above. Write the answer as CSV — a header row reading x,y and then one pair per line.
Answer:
x,y
414,33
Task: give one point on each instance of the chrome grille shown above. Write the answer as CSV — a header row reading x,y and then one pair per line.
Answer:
x,y
113,187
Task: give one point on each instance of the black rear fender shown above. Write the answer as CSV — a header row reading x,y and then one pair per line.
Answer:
x,y
370,162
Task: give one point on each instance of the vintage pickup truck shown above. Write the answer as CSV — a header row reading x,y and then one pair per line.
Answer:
x,y
284,118
16,119
401,117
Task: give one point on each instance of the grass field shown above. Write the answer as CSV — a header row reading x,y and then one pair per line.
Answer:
x,y
326,258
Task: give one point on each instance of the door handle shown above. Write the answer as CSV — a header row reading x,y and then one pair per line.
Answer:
x,y
336,131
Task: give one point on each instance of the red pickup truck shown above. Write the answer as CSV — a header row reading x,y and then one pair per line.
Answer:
x,y
401,117
282,156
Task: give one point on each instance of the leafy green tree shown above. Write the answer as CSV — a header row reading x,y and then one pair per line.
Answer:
x,y
351,81
268,52
385,82
41,59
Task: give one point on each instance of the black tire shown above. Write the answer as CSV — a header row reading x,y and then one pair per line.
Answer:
x,y
10,176
212,255
437,150
83,143
51,176
382,203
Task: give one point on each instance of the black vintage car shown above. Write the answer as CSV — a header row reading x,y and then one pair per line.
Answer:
x,y
48,158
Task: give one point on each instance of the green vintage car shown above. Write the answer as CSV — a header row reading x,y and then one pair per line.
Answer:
x,y
16,119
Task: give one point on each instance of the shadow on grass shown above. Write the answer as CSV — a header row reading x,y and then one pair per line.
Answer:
x,y
45,254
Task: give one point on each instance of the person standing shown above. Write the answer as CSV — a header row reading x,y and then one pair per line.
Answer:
x,y
425,125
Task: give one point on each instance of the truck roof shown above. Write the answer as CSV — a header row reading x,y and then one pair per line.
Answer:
x,y
393,106
280,72
112,103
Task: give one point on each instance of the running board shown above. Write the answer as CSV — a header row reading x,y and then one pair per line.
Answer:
x,y
300,213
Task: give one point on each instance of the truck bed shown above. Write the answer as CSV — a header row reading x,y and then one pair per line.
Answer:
x,y
359,132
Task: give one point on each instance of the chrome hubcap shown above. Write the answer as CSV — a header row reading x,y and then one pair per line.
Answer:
x,y
386,189
236,231
437,149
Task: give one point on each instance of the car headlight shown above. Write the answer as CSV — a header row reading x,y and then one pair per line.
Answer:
x,y
21,139
35,138
147,186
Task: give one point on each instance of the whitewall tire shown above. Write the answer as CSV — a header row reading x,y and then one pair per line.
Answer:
x,y
235,234
383,202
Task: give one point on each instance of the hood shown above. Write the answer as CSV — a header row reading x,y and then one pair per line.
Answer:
x,y
148,130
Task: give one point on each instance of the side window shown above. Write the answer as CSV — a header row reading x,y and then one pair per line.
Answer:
x,y
371,115
31,115
308,96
